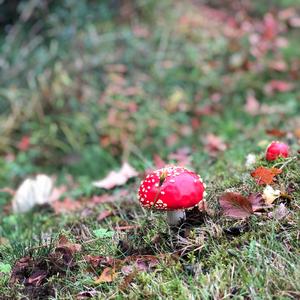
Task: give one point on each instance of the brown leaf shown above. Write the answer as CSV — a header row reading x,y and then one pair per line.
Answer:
x,y
126,227
97,261
108,275
36,277
257,201
235,205
63,242
276,132
265,175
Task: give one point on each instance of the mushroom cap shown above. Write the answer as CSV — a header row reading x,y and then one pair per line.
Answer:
x,y
276,149
171,188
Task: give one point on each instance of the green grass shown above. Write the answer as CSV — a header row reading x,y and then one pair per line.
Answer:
x,y
58,86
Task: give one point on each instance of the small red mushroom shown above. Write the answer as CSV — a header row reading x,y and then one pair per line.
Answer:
x,y
172,189
275,150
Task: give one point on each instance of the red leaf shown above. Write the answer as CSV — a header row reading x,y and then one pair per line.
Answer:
x,y
265,175
278,86
24,143
235,205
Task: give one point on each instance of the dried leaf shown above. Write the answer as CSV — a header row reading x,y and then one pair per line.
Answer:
x,y
270,195
276,132
279,213
117,178
256,201
108,275
265,175
235,205
63,242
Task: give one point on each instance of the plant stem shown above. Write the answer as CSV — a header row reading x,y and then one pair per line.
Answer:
x,y
175,216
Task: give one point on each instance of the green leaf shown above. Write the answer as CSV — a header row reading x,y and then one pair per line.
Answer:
x,y
103,233
5,268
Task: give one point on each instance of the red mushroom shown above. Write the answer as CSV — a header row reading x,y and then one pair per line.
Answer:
x,y
275,150
172,189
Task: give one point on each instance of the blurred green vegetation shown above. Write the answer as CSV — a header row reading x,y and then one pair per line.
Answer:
x,y
94,83
85,85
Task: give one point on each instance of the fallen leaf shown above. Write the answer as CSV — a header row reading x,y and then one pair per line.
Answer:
x,y
100,261
278,65
235,205
278,86
182,156
67,205
126,227
24,143
117,178
158,161
279,213
257,201
270,195
295,22
63,242
108,275
104,214
36,278
252,106
265,175
270,27
276,132
214,144
297,133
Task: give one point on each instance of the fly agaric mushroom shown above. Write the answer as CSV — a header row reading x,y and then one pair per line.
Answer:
x,y
172,189
275,150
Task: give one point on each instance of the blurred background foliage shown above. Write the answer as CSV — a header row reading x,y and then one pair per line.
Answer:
x,y
90,83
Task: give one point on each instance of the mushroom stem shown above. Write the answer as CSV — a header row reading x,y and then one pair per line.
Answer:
x,y
174,217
